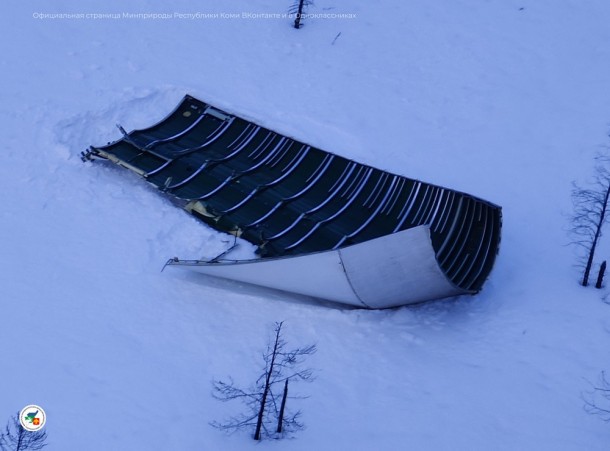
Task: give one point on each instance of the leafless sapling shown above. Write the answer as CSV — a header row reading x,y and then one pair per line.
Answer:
x,y
16,438
590,214
265,404
298,10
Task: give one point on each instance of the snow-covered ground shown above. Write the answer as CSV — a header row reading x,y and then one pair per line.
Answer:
x,y
504,99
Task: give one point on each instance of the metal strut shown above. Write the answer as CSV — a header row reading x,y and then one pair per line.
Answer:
x,y
222,254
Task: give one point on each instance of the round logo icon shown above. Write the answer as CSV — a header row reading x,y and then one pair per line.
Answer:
x,y
32,418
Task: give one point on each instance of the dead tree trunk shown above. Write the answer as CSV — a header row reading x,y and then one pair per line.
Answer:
x,y
297,20
20,438
280,420
261,411
600,275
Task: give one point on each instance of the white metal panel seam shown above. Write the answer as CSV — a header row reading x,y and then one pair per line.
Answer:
x,y
349,281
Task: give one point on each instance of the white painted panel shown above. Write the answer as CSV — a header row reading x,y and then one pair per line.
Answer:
x,y
319,274
389,271
396,269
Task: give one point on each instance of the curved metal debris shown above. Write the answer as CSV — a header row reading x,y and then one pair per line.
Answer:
x,y
291,199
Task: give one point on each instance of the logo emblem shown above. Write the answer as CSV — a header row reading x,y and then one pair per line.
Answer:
x,y
32,418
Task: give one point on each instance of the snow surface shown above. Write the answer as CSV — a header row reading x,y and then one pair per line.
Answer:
x,y
504,99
